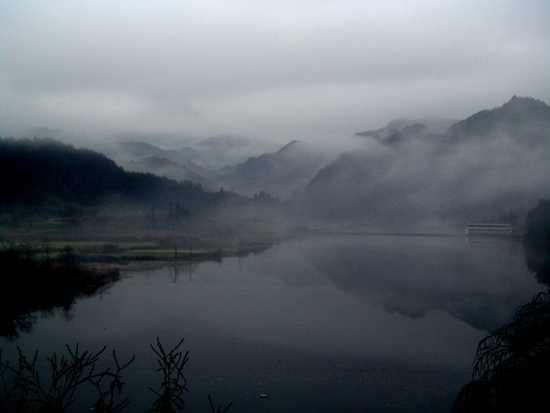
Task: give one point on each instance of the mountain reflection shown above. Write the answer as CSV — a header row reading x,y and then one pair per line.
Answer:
x,y
479,284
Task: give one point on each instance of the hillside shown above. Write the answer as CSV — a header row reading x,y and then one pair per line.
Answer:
x,y
51,190
41,170
144,157
205,162
32,170
436,125
162,166
279,173
489,167
525,119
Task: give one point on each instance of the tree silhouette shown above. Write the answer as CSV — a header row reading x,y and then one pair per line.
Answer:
x,y
537,241
511,365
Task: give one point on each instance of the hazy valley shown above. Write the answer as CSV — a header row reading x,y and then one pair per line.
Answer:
x,y
490,167
264,240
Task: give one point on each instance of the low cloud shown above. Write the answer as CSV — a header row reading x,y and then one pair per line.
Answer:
x,y
278,70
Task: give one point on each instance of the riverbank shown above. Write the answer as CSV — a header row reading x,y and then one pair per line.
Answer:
x,y
38,282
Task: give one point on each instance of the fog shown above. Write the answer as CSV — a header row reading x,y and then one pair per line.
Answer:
x,y
277,71
490,167
285,184
273,97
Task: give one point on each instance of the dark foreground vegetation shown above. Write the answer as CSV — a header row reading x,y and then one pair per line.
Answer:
x,y
537,241
46,173
24,389
512,363
35,281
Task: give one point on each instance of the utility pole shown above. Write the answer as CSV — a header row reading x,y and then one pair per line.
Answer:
x,y
175,264
240,254
190,262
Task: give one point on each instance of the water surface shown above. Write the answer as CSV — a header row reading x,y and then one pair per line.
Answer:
x,y
342,323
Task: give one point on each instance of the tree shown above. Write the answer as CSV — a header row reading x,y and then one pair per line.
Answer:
x,y
511,365
537,241
180,212
152,217
73,214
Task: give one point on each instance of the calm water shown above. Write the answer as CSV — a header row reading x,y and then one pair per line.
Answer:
x,y
348,324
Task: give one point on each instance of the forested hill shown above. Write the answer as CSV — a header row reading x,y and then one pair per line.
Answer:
x,y
490,166
525,119
37,170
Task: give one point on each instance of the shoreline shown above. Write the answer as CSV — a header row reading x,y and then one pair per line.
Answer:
x,y
148,262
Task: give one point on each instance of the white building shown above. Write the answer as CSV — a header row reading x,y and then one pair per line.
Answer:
x,y
488,229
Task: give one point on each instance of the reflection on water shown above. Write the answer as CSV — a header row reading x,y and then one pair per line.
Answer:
x,y
480,283
334,323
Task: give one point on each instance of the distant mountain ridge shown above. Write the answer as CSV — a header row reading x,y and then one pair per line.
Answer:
x,y
279,173
433,125
145,157
198,162
219,151
494,163
524,118
162,166
44,171
494,159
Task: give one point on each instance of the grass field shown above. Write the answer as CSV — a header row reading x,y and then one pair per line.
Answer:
x,y
200,240
57,245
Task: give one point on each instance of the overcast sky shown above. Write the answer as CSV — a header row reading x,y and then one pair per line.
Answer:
x,y
276,70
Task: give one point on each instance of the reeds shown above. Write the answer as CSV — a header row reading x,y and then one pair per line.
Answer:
x,y
26,390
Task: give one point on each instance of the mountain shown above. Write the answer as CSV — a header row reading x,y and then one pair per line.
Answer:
x,y
433,125
198,162
42,171
490,165
525,119
34,169
394,136
139,150
279,173
219,151
162,166
148,158
58,134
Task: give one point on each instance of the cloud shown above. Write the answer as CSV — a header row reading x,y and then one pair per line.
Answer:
x,y
276,69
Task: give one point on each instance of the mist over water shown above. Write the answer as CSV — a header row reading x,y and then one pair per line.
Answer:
x,y
347,322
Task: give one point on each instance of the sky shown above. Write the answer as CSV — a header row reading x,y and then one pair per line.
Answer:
x,y
274,70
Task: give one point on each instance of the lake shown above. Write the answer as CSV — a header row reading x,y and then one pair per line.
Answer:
x,y
331,323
